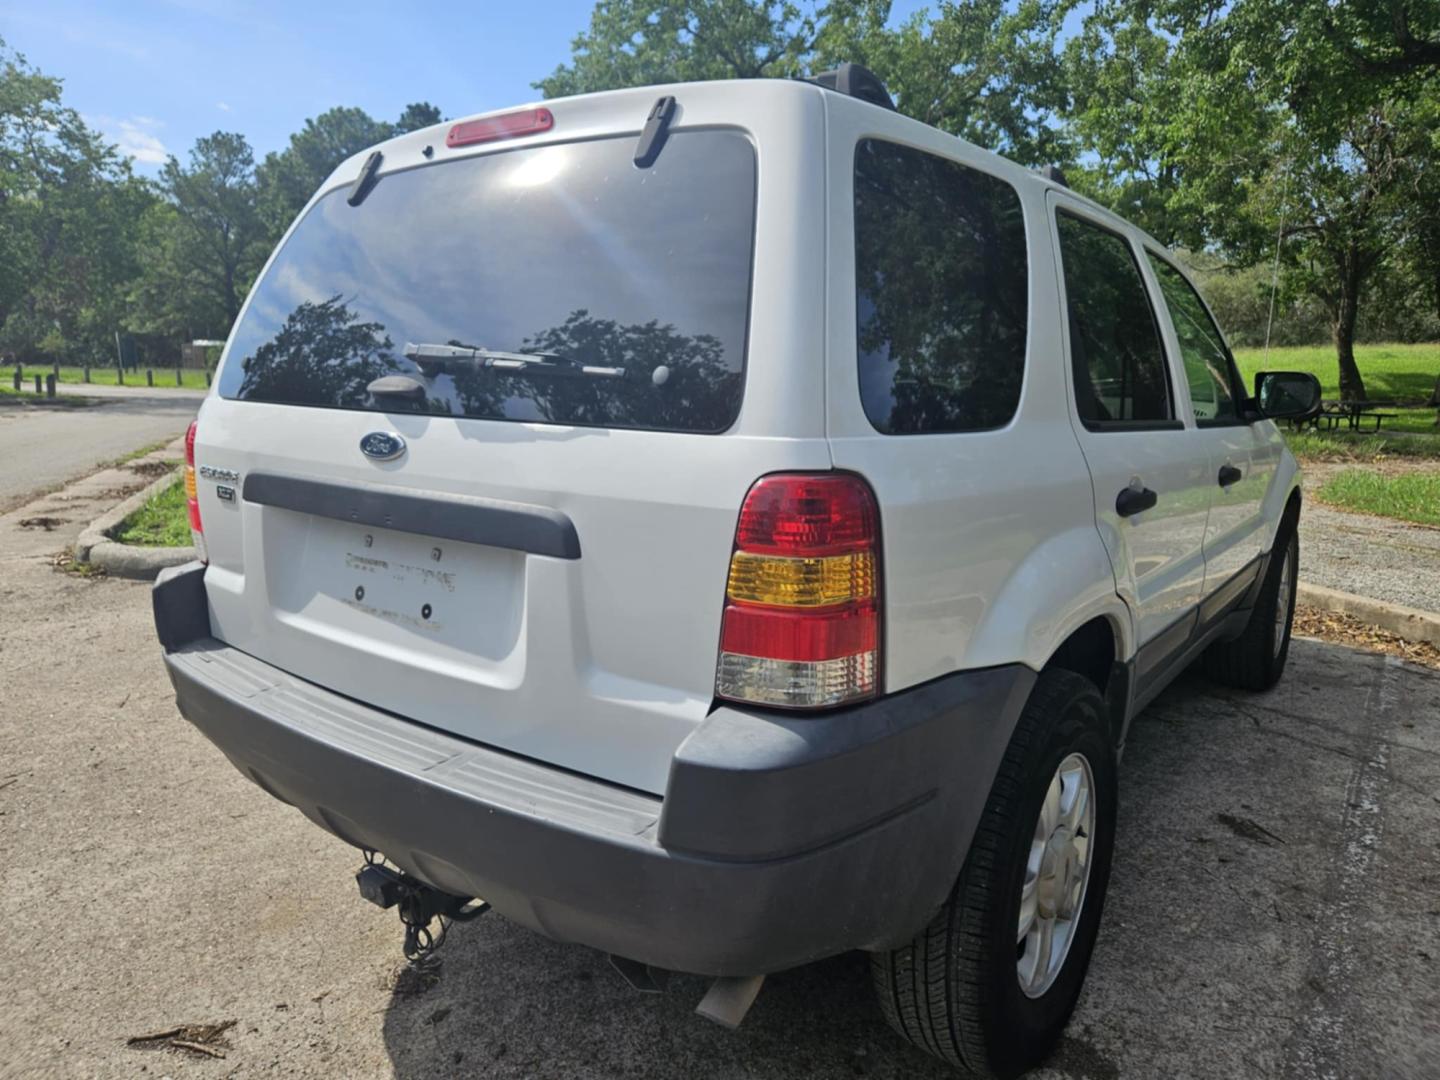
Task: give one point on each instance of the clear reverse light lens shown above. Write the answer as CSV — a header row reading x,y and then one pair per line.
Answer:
x,y
796,683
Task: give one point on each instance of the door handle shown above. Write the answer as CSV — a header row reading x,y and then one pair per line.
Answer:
x,y
1134,500
1229,474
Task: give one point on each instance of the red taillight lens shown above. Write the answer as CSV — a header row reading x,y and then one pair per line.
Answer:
x,y
508,126
192,494
802,618
807,515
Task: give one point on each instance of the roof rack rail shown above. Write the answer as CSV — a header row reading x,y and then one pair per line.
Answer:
x,y
857,82
1054,175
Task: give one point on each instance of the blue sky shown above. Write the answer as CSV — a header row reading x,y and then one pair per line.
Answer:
x,y
154,75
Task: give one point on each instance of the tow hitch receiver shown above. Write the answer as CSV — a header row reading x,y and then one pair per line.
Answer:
x,y
419,905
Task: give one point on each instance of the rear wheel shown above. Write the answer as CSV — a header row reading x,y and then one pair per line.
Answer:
x,y
991,982
1256,659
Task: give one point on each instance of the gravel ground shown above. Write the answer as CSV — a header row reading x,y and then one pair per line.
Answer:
x,y
1273,911
1370,556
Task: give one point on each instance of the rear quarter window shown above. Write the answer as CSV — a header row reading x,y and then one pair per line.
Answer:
x,y
625,292
941,292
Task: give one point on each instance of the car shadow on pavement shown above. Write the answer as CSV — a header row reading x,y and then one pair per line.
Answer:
x,y
507,1002
501,1001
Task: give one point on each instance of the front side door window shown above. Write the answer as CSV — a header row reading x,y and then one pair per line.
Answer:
x,y
1209,368
1115,348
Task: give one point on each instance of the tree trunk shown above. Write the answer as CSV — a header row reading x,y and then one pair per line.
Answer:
x,y
1352,386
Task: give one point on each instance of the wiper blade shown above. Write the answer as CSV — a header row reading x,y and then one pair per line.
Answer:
x,y
437,358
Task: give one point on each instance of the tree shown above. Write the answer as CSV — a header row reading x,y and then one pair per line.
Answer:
x,y
68,204
287,179
982,70
417,115
1259,121
644,42
216,245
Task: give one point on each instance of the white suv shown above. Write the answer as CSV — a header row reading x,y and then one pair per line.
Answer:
x,y
726,525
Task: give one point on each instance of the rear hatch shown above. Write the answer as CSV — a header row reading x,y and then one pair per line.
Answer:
x,y
479,437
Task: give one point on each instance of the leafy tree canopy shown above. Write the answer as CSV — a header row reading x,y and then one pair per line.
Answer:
x,y
287,178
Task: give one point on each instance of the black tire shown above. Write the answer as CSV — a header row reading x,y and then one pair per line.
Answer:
x,y
1256,659
954,991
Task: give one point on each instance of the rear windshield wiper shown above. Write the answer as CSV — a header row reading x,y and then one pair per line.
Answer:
x,y
434,359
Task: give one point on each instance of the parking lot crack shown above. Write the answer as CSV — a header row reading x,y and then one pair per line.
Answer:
x,y
1323,1039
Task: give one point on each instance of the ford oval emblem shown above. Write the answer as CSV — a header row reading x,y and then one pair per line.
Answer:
x,y
382,445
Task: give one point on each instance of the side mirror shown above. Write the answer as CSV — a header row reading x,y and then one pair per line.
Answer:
x,y
1287,395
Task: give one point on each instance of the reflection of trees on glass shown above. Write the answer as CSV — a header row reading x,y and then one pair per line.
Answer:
x,y
1207,361
940,291
1114,342
322,354
696,391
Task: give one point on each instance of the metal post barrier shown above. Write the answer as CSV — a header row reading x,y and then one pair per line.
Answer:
x,y
87,373
149,376
177,377
37,384
18,378
207,379
50,385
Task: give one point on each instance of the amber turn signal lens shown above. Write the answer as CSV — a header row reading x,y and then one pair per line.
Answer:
x,y
801,582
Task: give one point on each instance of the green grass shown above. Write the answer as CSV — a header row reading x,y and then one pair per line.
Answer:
x,y
106,376
161,522
1408,496
139,452
1398,372
1348,446
1392,373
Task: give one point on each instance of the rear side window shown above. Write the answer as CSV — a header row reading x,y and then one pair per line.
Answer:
x,y
940,292
1208,367
1115,347
555,284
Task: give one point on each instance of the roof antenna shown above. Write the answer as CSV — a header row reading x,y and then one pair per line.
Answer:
x,y
1275,271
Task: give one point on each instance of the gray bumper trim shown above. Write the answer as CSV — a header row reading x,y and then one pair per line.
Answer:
x,y
774,845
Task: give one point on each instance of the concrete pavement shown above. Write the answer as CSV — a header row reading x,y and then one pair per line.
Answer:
x,y
1273,911
45,445
106,392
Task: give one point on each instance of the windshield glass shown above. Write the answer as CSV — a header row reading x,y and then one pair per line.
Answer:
x,y
568,252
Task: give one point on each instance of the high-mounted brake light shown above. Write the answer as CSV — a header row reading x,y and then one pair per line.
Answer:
x,y
192,494
507,126
802,615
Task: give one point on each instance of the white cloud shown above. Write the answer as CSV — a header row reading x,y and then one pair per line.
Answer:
x,y
135,136
222,106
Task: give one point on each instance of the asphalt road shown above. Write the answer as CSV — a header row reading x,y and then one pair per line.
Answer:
x,y
1274,911
45,445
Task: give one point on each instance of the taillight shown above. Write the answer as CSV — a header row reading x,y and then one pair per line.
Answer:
x,y
802,611
192,494
508,126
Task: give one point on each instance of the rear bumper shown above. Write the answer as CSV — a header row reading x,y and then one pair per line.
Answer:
x,y
779,840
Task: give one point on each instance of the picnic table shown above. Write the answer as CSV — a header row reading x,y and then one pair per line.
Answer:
x,y
1333,413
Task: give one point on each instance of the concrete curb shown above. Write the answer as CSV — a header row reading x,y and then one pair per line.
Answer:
x,y
125,560
1412,624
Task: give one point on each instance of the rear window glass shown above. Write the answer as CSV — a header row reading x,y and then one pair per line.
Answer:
x,y
554,284
940,292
